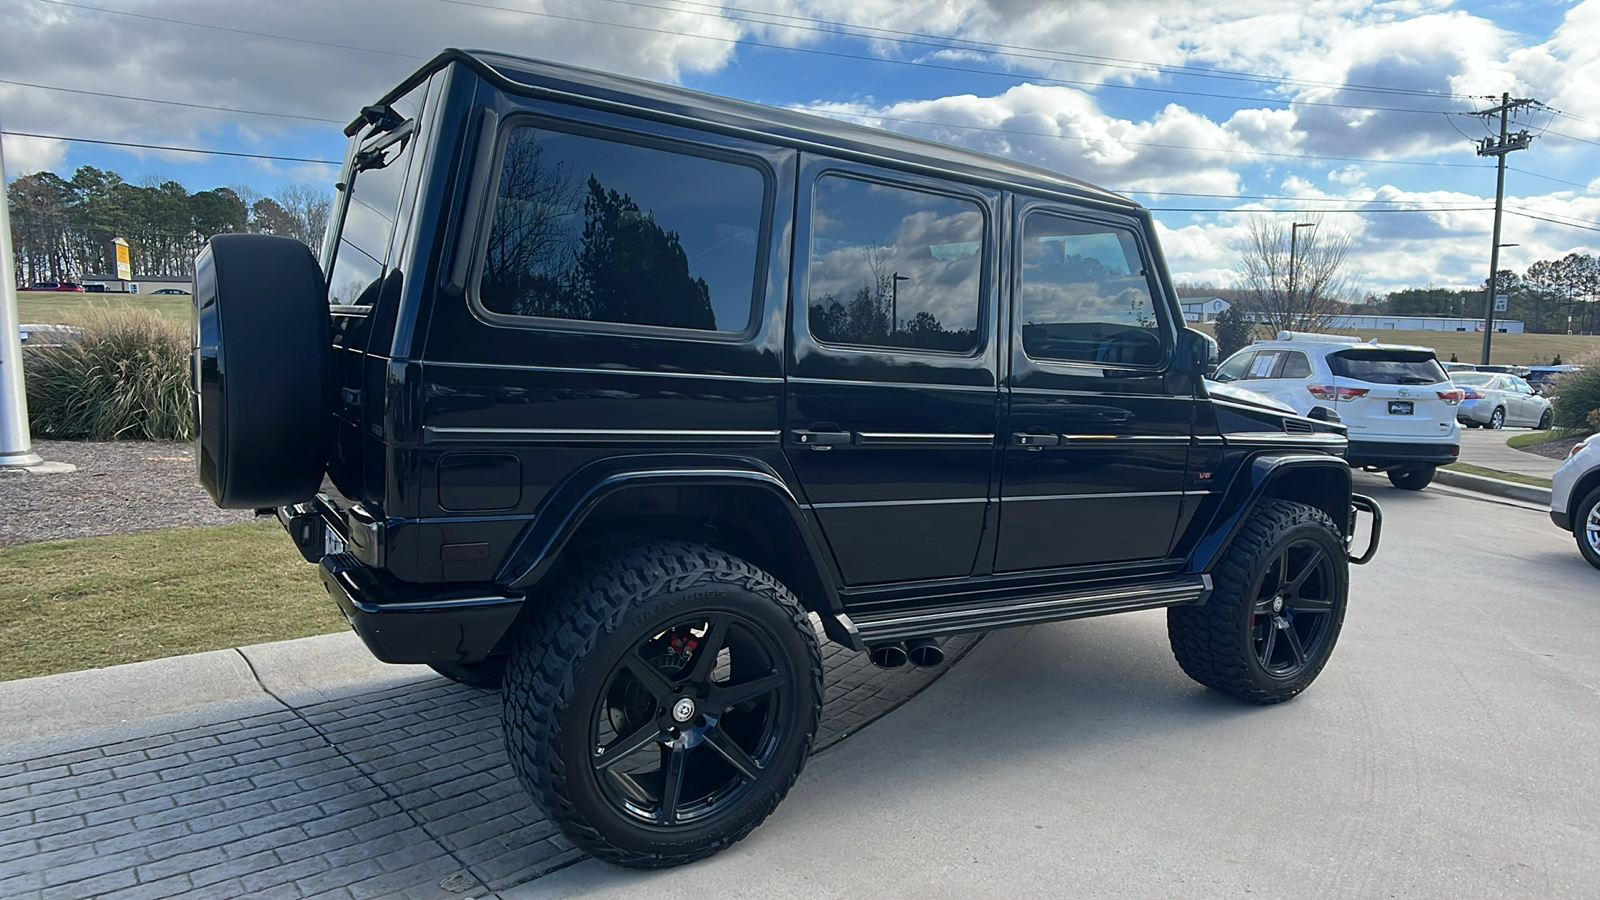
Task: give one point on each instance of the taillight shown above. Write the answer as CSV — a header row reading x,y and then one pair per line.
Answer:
x,y
1577,448
1329,392
1452,398
1470,394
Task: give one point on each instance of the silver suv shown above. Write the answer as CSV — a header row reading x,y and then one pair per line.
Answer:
x,y
1396,400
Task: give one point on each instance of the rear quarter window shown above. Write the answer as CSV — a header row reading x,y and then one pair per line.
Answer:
x,y
1387,366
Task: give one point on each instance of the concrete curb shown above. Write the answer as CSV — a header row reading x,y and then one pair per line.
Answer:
x,y
1508,489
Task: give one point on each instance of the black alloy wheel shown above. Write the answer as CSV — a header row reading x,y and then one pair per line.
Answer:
x,y
662,706
1293,609
1545,419
689,719
1276,609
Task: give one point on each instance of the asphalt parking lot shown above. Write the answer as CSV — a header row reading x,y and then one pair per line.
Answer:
x,y
1446,752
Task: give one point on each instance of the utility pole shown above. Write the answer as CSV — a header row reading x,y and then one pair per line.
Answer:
x,y
16,444
1507,143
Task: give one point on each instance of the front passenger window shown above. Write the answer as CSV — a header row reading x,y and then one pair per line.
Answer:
x,y
1234,368
1084,295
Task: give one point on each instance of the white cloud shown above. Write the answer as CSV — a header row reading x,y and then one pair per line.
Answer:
x,y
24,156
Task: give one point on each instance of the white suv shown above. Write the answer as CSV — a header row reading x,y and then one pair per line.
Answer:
x,y
1575,498
1396,400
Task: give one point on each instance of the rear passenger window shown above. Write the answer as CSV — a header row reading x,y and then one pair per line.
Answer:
x,y
1296,366
1265,364
894,267
602,231
1084,295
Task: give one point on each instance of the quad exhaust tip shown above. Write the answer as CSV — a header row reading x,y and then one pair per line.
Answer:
x,y
925,653
888,656
921,652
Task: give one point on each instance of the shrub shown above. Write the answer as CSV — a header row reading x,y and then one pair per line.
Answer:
x,y
126,378
1577,395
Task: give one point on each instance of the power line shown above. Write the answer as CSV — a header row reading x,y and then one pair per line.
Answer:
x,y
231,109
1070,137
1016,50
1555,218
1276,210
243,31
747,42
73,140
1546,177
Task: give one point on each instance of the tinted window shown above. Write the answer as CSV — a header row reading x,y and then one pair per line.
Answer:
x,y
602,231
894,267
1265,365
1084,296
1387,366
370,212
1235,367
1295,365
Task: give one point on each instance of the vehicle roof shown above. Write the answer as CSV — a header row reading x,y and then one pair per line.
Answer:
x,y
1326,347
603,89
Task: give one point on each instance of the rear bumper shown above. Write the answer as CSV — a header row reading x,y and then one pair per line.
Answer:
x,y
1386,454
419,623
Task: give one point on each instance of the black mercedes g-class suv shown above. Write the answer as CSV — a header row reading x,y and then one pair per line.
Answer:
x,y
615,393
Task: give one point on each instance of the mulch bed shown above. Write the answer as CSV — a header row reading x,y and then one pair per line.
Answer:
x,y
119,487
1557,449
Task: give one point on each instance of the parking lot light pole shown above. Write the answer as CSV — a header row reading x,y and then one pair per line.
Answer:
x,y
1294,234
16,445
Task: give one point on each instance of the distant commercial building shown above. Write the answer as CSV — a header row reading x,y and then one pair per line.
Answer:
x,y
1202,309
1420,323
143,284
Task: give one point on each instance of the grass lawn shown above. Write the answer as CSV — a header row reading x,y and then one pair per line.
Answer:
x,y
65,308
1518,477
1505,349
93,602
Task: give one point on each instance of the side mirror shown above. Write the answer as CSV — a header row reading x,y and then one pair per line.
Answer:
x,y
1199,351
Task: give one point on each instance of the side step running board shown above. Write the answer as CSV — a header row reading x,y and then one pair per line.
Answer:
x,y
875,628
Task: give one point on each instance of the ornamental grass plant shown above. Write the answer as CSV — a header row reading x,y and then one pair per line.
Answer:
x,y
126,377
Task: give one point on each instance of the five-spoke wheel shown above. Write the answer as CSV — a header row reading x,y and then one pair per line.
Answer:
x,y
662,705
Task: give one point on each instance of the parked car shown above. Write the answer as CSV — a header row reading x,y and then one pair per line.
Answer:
x,y
171,291
637,383
1396,401
1495,401
1453,367
67,286
1575,497
1543,378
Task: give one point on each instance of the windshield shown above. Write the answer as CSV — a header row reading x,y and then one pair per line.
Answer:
x,y
1387,366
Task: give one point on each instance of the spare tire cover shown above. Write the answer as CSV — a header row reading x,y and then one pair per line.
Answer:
x,y
260,371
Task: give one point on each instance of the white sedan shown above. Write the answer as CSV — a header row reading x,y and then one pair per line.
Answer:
x,y
1495,401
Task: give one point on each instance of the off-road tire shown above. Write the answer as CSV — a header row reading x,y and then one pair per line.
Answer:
x,y
1213,643
1497,420
487,674
558,670
1580,527
1412,479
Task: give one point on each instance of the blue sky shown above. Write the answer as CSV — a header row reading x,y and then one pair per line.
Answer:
x,y
1256,105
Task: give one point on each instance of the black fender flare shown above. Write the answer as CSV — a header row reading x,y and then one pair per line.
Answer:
x,y
563,513
1317,479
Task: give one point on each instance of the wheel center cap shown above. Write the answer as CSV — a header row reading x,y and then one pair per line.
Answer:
x,y
683,710
1277,604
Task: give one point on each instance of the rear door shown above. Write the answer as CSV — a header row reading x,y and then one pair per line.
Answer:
x,y
1391,393
892,388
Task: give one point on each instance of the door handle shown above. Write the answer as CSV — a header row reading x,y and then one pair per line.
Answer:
x,y
1034,441
820,440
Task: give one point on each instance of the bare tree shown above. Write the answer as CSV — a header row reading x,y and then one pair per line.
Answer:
x,y
307,207
1320,282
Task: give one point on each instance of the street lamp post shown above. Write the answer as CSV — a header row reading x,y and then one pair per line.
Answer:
x,y
16,444
894,300
1294,234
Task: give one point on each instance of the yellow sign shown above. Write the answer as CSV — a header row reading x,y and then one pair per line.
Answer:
x,y
124,266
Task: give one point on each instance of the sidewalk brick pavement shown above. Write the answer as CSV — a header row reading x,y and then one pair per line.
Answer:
x,y
399,792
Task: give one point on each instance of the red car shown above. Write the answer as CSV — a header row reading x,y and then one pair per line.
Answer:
x,y
55,286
